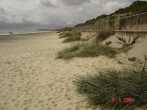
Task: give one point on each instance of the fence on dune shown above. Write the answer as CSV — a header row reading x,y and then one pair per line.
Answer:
x,y
124,22
137,22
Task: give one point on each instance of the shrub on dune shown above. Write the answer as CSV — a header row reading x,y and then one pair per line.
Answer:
x,y
68,53
72,36
93,50
87,50
65,34
121,90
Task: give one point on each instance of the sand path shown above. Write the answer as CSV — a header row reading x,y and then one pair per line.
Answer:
x,y
31,78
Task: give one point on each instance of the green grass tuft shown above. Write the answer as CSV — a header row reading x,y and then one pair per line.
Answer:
x,y
65,34
68,53
102,88
87,50
70,36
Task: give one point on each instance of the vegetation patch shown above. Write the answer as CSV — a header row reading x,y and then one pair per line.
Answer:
x,y
75,36
65,34
87,50
136,7
65,29
70,36
120,90
68,53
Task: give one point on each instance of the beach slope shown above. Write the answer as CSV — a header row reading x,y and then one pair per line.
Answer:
x,y
31,78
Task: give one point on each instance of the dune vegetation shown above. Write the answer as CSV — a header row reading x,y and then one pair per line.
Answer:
x,y
70,36
87,50
115,89
111,89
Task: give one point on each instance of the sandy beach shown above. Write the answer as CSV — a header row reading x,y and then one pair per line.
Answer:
x,y
31,78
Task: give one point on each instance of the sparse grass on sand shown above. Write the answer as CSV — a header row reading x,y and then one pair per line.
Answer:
x,y
115,89
70,36
87,50
65,34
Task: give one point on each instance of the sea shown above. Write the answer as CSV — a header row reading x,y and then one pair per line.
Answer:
x,y
20,31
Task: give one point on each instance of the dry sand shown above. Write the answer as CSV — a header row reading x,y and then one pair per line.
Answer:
x,y
138,50
31,78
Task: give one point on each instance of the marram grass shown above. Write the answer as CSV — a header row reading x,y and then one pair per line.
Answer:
x,y
111,88
87,50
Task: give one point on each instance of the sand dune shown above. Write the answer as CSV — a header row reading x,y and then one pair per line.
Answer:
x,y
31,78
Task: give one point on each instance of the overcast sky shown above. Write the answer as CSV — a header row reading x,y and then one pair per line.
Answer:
x,y
54,13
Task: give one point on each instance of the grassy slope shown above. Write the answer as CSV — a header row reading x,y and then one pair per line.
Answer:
x,y
87,50
134,8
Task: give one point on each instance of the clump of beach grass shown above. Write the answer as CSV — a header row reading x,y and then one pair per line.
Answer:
x,y
68,53
70,36
120,90
87,50
65,34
